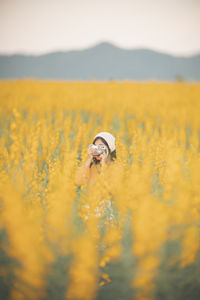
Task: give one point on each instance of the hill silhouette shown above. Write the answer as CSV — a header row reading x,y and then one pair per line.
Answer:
x,y
103,61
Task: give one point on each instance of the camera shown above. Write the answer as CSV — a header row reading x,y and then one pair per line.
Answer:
x,y
98,149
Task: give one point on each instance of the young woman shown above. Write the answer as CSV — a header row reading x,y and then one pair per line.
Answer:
x,y
88,172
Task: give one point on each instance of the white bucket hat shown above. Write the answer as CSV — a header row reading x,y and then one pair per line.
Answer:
x,y
109,138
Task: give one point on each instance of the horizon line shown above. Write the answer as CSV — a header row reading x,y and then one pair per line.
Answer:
x,y
93,45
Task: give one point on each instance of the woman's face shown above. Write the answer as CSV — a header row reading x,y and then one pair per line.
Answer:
x,y
97,143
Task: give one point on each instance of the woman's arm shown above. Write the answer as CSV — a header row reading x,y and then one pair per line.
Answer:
x,y
83,173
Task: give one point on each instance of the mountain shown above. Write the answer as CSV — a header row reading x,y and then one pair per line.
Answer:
x,y
101,62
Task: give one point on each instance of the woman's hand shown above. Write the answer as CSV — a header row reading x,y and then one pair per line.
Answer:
x,y
90,151
90,156
104,156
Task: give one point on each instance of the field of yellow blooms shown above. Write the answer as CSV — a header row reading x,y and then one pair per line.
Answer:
x,y
146,244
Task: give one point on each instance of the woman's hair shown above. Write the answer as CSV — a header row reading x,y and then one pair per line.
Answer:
x,y
112,154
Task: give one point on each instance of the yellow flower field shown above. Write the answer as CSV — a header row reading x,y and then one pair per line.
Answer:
x,y
51,246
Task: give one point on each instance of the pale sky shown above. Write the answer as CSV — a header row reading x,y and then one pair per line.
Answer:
x,y
41,26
